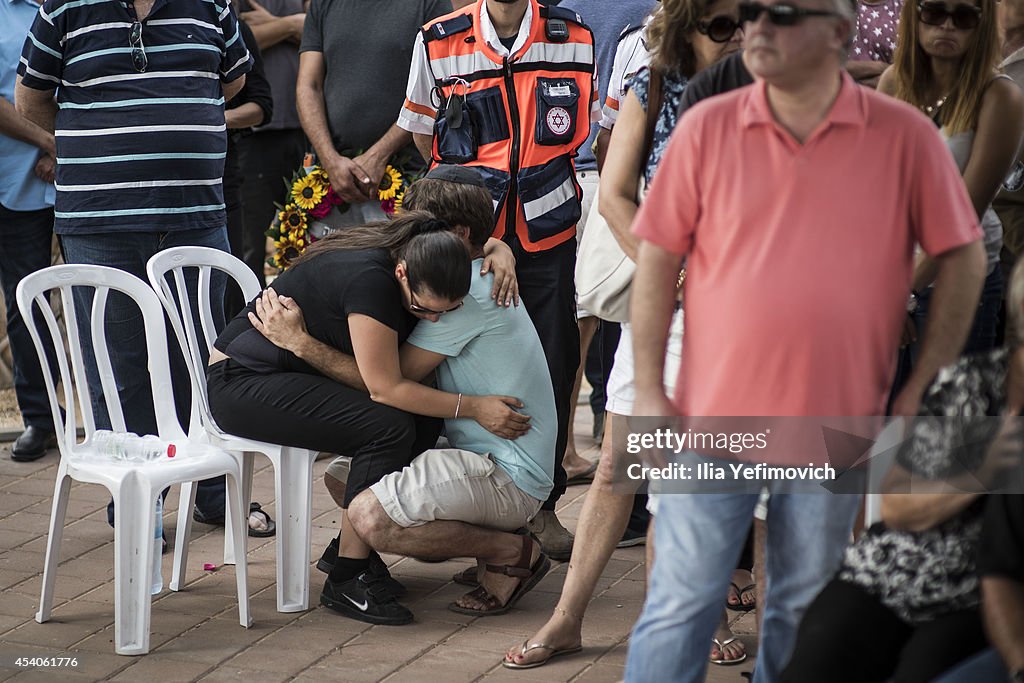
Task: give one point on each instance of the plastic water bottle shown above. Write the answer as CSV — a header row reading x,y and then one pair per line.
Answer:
x,y
158,541
130,447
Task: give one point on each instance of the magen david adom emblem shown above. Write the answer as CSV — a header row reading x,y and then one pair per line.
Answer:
x,y
558,120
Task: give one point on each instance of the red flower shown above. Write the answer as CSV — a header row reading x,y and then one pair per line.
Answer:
x,y
321,209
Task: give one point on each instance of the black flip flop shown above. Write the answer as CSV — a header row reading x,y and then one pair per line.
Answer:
x,y
271,529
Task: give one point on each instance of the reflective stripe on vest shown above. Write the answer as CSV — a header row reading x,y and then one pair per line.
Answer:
x,y
522,120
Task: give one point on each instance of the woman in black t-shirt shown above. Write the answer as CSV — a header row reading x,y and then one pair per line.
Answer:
x,y
339,389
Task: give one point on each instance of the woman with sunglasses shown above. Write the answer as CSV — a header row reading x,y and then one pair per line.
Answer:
x,y
361,292
684,37
946,65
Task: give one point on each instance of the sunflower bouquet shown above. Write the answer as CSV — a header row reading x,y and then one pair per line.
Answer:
x,y
311,198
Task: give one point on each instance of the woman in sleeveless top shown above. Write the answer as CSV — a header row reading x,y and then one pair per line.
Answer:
x,y
946,65
684,36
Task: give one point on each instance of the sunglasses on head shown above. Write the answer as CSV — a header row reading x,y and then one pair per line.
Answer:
x,y
719,29
781,14
935,14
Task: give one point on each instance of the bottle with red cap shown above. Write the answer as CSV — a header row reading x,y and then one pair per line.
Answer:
x,y
130,447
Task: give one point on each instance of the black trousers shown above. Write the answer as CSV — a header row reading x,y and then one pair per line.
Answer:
x,y
548,289
267,160
848,635
311,411
598,363
26,238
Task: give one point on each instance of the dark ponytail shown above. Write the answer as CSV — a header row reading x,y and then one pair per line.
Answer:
x,y
393,235
435,257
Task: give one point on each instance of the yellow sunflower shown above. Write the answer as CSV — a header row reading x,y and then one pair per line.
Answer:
x,y
291,219
398,201
390,183
320,175
289,247
307,192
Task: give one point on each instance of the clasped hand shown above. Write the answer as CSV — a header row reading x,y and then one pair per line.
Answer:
x,y
279,319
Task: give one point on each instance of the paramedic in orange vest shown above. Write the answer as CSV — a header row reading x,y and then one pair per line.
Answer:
x,y
509,87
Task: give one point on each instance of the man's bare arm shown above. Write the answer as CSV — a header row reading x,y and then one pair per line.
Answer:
x,y
38,106
1003,603
418,363
425,144
961,273
14,125
233,88
280,320
651,304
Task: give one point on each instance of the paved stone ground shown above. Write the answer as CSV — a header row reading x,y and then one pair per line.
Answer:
x,y
195,633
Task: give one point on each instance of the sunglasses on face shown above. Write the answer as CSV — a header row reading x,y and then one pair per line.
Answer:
x,y
965,17
139,59
781,14
422,310
719,29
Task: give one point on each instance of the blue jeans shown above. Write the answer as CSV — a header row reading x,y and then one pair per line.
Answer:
x,y
25,241
126,338
698,539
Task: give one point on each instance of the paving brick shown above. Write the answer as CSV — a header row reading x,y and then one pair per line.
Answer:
x,y
291,650
444,663
11,578
21,605
601,673
361,662
149,668
71,545
65,587
44,675
213,641
227,673
8,623
27,522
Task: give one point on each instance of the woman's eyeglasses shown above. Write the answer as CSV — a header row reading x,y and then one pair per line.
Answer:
x,y
139,59
964,16
781,14
720,29
422,310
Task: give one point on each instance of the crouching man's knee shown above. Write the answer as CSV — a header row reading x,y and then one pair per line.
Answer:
x,y
369,519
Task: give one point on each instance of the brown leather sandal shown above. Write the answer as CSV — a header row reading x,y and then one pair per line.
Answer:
x,y
529,575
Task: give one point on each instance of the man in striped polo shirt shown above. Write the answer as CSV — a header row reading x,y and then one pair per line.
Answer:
x,y
139,124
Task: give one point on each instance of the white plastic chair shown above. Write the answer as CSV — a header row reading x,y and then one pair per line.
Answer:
x,y
293,467
133,486
881,459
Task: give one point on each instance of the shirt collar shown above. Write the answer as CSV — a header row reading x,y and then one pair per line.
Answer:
x,y
491,35
848,108
1015,57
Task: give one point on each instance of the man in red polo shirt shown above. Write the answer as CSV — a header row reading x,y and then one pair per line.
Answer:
x,y
797,203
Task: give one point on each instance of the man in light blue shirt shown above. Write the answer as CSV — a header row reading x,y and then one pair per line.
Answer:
x,y
466,501
27,159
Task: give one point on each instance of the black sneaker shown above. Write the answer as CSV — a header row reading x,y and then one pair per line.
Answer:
x,y
377,568
330,555
631,538
364,598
